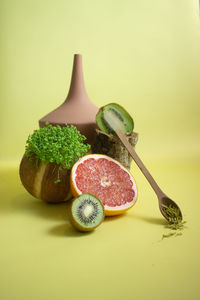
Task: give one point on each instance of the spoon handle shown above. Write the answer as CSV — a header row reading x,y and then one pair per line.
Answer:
x,y
140,164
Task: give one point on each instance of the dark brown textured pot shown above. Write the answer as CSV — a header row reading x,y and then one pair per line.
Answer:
x,y
77,109
39,181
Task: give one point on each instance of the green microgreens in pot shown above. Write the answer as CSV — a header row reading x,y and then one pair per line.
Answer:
x,y
55,144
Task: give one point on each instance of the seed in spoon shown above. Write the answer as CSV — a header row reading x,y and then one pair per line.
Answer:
x,y
173,214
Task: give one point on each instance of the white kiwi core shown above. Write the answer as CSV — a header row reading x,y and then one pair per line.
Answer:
x,y
113,121
88,210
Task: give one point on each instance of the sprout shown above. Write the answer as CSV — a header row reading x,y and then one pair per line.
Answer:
x,y
62,145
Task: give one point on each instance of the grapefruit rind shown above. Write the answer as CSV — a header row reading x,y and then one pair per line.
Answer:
x,y
109,211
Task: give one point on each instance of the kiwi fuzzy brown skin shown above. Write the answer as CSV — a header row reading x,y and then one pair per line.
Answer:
x,y
77,225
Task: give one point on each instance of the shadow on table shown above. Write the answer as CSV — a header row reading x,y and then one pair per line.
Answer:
x,y
33,206
25,203
152,220
66,229
14,199
114,218
30,205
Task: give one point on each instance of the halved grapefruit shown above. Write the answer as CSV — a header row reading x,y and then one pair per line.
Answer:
x,y
105,178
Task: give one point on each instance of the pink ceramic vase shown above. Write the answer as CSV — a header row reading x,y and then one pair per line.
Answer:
x,y
77,109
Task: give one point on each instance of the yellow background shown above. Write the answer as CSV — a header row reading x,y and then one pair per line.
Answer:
x,y
145,56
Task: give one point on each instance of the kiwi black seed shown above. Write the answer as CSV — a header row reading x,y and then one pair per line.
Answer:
x,y
112,117
86,212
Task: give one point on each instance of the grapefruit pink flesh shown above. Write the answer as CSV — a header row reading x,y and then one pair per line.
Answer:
x,y
106,179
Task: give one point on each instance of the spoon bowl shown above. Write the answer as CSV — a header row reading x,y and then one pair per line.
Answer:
x,y
165,204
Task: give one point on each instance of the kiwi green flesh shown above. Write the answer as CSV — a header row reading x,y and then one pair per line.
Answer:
x,y
101,122
87,212
114,117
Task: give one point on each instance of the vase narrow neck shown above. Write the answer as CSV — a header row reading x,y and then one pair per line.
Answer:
x,y
77,89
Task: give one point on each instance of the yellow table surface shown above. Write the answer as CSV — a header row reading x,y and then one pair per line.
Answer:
x,y
43,257
143,55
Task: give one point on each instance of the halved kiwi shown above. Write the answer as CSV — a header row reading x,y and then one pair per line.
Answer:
x,y
86,212
113,117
